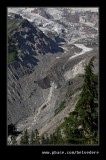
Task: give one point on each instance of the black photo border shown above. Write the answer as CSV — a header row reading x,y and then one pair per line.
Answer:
x,y
36,151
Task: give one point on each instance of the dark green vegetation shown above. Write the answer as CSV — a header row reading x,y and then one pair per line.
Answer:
x,y
25,138
12,24
11,57
60,108
13,46
81,126
34,138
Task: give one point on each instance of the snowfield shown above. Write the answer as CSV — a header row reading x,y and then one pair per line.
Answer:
x,y
84,50
77,69
52,24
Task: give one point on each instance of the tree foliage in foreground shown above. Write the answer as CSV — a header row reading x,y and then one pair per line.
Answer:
x,y
25,137
82,124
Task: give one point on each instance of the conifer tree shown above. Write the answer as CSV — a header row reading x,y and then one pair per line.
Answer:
x,y
13,139
37,137
32,138
25,137
43,140
87,106
59,138
47,140
51,139
82,124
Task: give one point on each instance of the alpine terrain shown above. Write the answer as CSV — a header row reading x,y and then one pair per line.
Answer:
x,y
53,64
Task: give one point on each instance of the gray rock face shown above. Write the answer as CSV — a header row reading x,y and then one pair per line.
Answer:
x,y
30,38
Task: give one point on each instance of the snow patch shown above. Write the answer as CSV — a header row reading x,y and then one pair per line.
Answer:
x,y
85,9
84,50
77,69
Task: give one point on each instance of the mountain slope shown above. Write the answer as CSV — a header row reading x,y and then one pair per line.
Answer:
x,y
48,49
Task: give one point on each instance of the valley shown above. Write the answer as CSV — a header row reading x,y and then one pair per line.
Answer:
x,y
52,47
